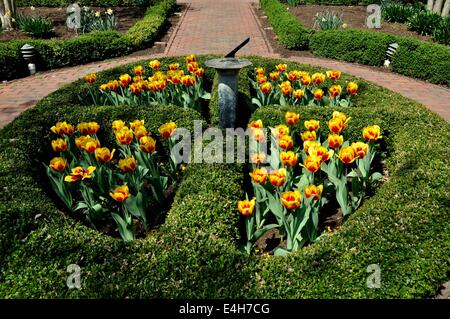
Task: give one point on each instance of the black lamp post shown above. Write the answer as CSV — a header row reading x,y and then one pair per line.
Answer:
x,y
28,55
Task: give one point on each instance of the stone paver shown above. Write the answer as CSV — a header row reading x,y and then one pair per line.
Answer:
x,y
217,26
213,26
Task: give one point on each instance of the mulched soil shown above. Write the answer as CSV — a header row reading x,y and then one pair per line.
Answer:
x,y
354,17
126,17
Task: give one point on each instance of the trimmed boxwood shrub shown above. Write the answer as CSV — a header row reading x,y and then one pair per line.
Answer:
x,y
85,48
404,227
423,60
291,33
91,3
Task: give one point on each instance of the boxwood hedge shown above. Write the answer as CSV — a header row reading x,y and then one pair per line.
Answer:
x,y
420,59
404,227
91,3
94,46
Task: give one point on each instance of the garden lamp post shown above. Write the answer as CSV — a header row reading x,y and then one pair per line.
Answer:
x,y
228,69
28,55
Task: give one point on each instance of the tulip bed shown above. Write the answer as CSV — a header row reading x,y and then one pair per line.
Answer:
x,y
403,227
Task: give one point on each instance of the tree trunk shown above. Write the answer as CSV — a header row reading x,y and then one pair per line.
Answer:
x,y
7,11
446,9
438,6
430,4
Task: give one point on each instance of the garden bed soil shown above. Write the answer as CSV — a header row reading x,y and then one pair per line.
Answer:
x,y
126,18
354,17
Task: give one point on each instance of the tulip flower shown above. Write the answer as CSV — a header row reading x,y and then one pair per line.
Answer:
x,y
281,67
259,71
352,88
59,145
120,194
278,178
334,140
188,80
136,123
333,75
258,134
124,80
318,94
335,91
306,80
79,174
314,191
258,158
289,159
192,67
147,144
321,152
174,66
347,155
190,58
140,132
255,124
259,175
62,128
361,149
127,164
117,125
246,207
124,136
293,75
279,131
199,72
139,70
113,85
291,118
154,64
318,78
261,79
90,78
312,125
285,142
336,125
58,164
308,136
166,130
88,128
286,88
274,76
372,133
89,144
308,145
299,94
312,163
135,89
103,155
266,88
291,200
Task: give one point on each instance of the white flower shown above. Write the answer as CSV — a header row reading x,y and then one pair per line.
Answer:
x,y
85,9
109,11
97,14
344,25
324,20
32,8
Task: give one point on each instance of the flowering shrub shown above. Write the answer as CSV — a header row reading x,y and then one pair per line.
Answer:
x,y
296,87
292,185
98,181
175,86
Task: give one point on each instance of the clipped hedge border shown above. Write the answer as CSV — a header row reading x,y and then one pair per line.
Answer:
x,y
86,48
291,33
420,59
403,227
91,3
337,2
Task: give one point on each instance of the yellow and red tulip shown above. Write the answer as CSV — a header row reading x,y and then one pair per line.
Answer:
x,y
255,124
139,70
103,154
335,91
318,78
298,94
285,142
314,191
88,128
246,207
90,78
147,144
58,164
312,125
266,87
318,94
128,164
312,163
278,178
347,155
289,159
361,149
258,158
291,200
59,145
309,136
120,193
333,75
372,133
124,136
281,67
352,88
259,175
286,88
124,80
334,140
79,174
166,130
62,128
154,64
118,125
292,118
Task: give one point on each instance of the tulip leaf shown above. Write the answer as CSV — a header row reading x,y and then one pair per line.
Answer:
x,y
276,208
206,96
375,177
260,232
136,206
281,252
125,229
256,102
343,103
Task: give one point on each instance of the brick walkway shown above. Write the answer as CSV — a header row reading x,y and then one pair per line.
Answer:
x,y
213,26
217,26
